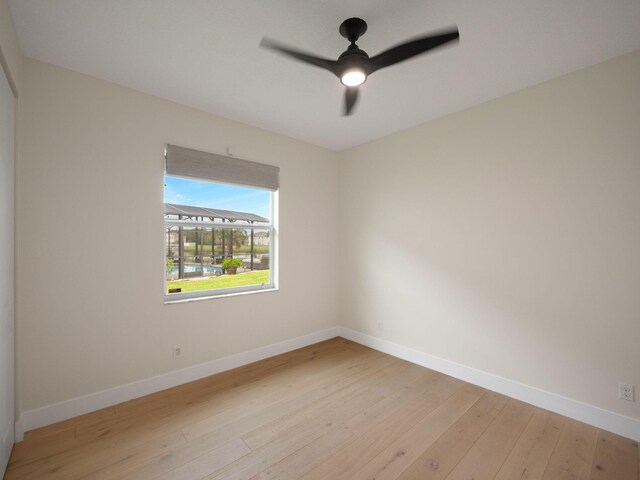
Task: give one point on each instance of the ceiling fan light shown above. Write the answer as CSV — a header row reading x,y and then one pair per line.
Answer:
x,y
353,77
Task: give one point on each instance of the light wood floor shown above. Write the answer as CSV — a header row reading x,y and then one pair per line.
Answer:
x,y
335,410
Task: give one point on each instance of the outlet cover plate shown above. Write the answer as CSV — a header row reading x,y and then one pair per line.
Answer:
x,y
627,392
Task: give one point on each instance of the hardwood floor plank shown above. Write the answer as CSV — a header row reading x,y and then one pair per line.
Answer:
x,y
300,462
335,410
291,441
573,455
129,458
105,423
301,434
227,433
218,398
487,455
274,371
438,461
615,458
98,415
25,450
209,462
310,383
79,463
162,463
293,466
393,460
530,456
226,428
53,438
376,437
143,429
367,390
391,404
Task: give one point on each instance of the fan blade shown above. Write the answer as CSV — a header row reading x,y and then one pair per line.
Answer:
x,y
350,99
410,49
330,65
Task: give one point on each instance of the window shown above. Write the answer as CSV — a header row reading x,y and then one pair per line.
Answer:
x,y
219,230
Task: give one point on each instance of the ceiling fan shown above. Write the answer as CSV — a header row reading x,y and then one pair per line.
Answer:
x,y
354,65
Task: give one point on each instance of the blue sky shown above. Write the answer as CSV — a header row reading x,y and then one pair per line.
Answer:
x,y
216,195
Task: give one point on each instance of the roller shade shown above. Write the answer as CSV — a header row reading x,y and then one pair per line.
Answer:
x,y
186,162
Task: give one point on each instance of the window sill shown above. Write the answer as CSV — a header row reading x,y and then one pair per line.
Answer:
x,y
171,301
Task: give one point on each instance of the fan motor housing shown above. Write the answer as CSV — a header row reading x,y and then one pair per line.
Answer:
x,y
353,51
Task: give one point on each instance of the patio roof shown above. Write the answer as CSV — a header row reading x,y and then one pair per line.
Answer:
x,y
211,213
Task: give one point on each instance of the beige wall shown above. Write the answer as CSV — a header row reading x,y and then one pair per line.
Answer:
x,y
91,313
507,237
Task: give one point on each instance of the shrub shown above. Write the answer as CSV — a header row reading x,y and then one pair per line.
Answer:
x,y
231,263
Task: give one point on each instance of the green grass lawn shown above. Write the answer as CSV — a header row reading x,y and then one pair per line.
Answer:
x,y
224,281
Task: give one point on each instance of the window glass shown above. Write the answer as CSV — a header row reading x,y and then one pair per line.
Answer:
x,y
218,238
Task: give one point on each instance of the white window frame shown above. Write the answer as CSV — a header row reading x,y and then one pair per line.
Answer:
x,y
226,292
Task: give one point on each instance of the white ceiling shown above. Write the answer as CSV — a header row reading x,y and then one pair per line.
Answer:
x,y
205,54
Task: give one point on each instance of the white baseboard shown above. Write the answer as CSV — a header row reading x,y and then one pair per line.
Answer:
x,y
596,416
47,415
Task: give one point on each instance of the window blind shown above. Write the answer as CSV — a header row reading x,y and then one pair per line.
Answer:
x,y
186,162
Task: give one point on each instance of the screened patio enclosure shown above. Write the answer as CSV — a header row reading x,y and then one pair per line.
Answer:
x,y
197,240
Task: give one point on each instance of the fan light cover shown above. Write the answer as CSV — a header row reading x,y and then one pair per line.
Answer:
x,y
353,78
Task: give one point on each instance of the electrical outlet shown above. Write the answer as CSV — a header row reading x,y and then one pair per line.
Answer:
x,y
177,351
627,391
